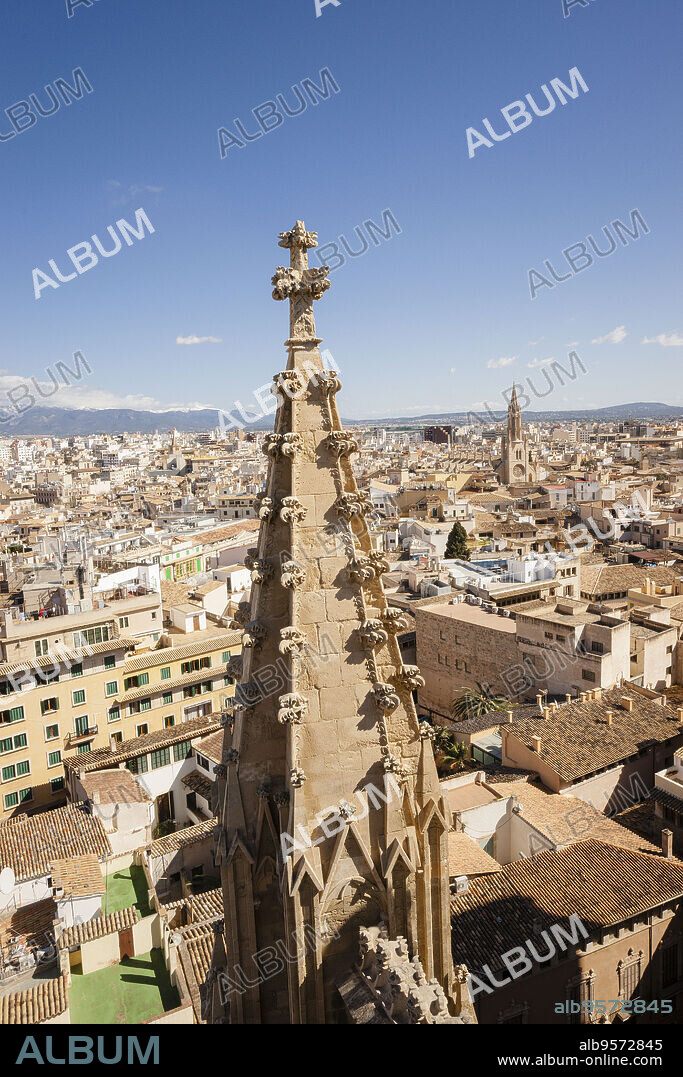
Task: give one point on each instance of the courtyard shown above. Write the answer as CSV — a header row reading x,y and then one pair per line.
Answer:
x,y
125,994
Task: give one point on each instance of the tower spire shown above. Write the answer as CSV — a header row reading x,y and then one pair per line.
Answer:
x,y
331,815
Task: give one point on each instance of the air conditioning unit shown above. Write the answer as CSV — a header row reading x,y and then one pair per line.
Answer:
x,y
461,884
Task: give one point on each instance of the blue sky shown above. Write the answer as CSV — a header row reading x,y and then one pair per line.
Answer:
x,y
420,322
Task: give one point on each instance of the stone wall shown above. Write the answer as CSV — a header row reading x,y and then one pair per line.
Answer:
x,y
460,649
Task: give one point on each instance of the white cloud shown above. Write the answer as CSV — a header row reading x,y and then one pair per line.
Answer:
x,y
614,337
574,344
122,195
533,343
55,394
198,340
506,360
541,362
667,340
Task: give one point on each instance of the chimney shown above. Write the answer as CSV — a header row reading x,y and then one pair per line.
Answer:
x,y
539,700
608,717
568,697
510,716
668,843
536,744
96,796
627,703
680,715
546,712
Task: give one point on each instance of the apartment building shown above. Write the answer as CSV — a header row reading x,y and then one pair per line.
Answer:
x,y
232,506
70,691
569,646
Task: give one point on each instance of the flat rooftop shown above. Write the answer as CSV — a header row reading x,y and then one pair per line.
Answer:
x,y
463,612
474,795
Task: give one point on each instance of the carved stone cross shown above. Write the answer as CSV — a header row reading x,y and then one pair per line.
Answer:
x,y
300,284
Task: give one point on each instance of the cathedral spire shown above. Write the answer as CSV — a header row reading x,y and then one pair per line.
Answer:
x,y
331,817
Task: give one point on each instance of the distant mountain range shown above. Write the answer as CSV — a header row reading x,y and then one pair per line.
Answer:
x,y
63,422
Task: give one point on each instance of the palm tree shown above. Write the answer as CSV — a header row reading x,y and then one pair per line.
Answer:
x,y
475,702
449,753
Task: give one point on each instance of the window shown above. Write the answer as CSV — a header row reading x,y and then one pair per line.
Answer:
x,y
25,795
11,800
580,990
81,725
226,657
136,682
50,677
14,714
41,647
194,665
161,758
110,661
123,622
588,675
56,784
597,648
166,673
182,750
51,732
141,729
169,721
114,714
201,761
111,688
54,759
670,965
77,670
629,975
78,697
91,635
16,770
167,698
11,744
228,681
548,635
145,704
82,749
117,737
138,765
48,706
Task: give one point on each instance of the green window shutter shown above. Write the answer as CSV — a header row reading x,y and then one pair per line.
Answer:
x,y
166,673
8,773
143,679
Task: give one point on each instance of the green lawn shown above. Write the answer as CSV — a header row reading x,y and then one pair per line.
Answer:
x,y
124,888
125,994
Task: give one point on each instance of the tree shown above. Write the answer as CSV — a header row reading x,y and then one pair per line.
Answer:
x,y
475,702
456,544
449,753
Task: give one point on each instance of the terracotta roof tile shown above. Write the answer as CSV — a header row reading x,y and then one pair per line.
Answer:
x,y
30,843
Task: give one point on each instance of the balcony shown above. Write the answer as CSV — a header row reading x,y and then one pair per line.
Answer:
x,y
72,740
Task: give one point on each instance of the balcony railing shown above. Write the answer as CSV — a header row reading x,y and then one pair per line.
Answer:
x,y
82,737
